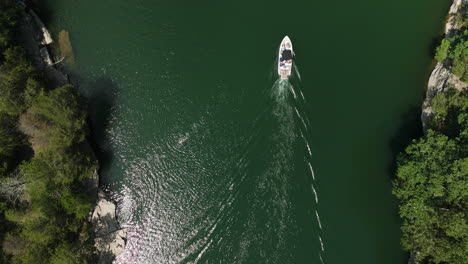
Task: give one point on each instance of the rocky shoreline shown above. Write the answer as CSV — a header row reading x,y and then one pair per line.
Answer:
x,y
441,79
442,76
109,236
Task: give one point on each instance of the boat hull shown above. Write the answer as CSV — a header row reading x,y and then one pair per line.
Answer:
x,y
285,58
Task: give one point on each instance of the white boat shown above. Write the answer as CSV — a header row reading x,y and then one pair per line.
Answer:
x,y
285,58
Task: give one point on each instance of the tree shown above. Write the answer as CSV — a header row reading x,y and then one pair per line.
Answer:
x,y
447,107
8,142
12,187
460,58
8,17
455,50
442,52
432,187
62,110
14,74
44,201
65,254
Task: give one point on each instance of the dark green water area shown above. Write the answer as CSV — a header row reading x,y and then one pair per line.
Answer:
x,y
213,160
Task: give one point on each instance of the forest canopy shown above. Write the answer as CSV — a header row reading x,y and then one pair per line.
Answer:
x,y
432,184
45,162
432,173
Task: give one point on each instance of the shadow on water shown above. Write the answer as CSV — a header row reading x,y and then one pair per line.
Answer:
x,y
102,93
410,128
43,9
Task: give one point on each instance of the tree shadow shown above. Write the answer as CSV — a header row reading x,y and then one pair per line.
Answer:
x,y
100,105
43,9
410,128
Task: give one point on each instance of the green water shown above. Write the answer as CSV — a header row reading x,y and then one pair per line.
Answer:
x,y
208,154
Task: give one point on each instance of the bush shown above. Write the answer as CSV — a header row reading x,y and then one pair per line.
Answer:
x,y
460,58
442,52
455,50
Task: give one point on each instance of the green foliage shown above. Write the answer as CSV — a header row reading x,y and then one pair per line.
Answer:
x,y
8,142
442,52
455,50
8,17
462,16
432,184
49,225
4,224
33,87
61,109
76,204
65,254
447,107
432,187
460,58
14,75
57,206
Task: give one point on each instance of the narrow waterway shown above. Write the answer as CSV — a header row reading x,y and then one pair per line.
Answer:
x,y
214,160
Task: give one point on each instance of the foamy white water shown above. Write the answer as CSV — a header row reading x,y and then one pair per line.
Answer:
x,y
315,193
318,219
311,171
321,243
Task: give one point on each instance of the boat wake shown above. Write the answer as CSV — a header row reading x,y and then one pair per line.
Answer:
x,y
183,202
290,96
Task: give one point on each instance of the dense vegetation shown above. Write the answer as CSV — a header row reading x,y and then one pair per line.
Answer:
x,y
45,163
432,174
432,185
454,51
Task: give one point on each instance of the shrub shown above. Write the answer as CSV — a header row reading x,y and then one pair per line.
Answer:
x,y
456,50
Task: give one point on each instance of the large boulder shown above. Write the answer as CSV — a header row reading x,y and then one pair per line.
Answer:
x,y
33,36
438,82
110,238
452,26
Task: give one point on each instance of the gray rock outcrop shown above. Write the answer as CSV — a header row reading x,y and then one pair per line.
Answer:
x,y
46,37
110,238
438,83
35,38
442,77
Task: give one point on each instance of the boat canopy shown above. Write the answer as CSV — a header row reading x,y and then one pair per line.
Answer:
x,y
286,55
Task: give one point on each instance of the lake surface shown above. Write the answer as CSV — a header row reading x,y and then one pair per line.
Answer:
x,y
213,160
